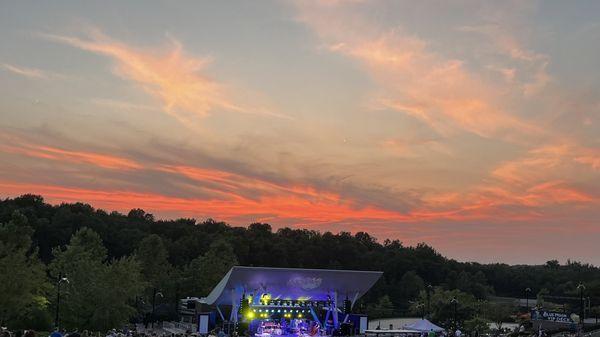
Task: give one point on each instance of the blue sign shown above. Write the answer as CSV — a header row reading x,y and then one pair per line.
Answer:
x,y
551,316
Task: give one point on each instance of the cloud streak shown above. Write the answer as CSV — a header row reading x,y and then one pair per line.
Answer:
x,y
176,79
440,92
33,73
69,156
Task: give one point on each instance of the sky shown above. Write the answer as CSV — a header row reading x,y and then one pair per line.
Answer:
x,y
473,126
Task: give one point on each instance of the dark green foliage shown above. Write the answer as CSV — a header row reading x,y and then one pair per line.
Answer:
x,y
23,283
183,257
382,308
500,312
99,293
443,308
476,326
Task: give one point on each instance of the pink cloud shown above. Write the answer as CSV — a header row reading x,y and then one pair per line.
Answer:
x,y
412,79
177,79
18,146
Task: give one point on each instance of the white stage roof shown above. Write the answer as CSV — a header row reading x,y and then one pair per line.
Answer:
x,y
291,284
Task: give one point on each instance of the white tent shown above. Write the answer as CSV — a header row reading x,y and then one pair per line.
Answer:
x,y
423,325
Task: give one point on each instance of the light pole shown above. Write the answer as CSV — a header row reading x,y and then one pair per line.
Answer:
x,y
527,291
581,288
60,280
422,306
417,306
589,307
455,302
428,291
155,293
482,304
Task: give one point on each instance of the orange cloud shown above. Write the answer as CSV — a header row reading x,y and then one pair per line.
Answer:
x,y
54,153
439,91
27,72
233,196
540,162
270,208
495,202
33,73
531,68
173,77
232,185
555,192
414,148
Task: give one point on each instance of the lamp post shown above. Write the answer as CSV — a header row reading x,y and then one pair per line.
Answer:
x,y
455,302
417,306
428,291
581,288
422,306
527,291
154,294
60,280
482,304
589,307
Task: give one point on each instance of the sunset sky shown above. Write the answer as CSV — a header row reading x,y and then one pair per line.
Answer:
x,y
473,126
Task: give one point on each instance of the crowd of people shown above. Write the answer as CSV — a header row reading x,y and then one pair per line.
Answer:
x,y
27,333
110,333
218,332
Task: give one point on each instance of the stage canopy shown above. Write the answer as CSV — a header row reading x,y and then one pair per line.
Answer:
x,y
291,284
423,325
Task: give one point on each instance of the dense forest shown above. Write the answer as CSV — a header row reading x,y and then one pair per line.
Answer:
x,y
111,266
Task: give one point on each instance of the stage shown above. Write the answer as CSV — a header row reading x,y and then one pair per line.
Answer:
x,y
290,302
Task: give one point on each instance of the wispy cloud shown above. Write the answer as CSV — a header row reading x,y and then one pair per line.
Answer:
x,y
25,71
528,67
415,80
454,98
122,105
281,209
177,79
17,146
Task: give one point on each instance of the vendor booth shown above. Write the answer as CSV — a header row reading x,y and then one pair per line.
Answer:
x,y
267,302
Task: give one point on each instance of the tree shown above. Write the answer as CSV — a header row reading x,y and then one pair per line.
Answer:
x,y
192,276
382,308
185,244
442,306
23,287
540,297
500,313
153,258
476,326
473,284
119,284
207,270
411,285
99,294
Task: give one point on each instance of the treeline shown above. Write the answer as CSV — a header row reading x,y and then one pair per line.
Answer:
x,y
115,266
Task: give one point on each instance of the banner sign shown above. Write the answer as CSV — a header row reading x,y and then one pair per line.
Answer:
x,y
552,316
